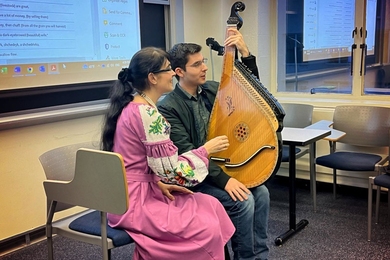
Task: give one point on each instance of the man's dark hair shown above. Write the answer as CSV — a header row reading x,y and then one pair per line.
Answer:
x,y
178,54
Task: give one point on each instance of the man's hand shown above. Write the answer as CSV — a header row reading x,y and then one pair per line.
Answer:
x,y
167,189
237,40
237,190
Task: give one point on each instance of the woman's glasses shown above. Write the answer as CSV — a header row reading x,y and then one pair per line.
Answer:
x,y
162,70
194,65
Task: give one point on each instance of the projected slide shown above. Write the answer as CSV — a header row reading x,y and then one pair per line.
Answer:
x,y
328,26
61,42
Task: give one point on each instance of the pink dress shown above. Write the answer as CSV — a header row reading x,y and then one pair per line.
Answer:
x,y
193,226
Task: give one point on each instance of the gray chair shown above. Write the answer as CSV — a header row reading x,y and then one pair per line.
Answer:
x,y
365,127
94,179
379,181
298,116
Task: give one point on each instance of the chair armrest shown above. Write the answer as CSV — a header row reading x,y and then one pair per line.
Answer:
x,y
322,124
384,163
334,136
59,191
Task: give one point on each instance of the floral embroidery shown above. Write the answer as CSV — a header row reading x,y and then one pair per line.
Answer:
x,y
162,155
150,111
183,178
188,172
180,180
157,126
167,129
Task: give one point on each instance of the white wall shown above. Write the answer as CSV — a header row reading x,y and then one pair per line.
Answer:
x,y
22,198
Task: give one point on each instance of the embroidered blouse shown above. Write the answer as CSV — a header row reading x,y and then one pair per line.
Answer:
x,y
162,157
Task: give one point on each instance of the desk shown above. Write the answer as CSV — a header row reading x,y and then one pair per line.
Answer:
x,y
297,137
326,125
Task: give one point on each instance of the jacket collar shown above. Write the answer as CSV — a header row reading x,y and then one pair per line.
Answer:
x,y
179,91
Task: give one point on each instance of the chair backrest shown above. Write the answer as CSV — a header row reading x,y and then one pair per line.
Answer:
x,y
364,125
59,163
99,183
297,115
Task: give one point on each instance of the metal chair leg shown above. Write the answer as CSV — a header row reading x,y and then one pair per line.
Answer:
x,y
332,149
334,183
49,229
369,221
103,228
388,200
50,253
378,197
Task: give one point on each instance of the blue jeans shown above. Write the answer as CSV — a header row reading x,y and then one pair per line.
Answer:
x,y
250,217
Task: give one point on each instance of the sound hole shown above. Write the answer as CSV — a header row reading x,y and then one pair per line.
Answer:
x,y
241,132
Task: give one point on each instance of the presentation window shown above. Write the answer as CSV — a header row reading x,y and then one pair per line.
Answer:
x,y
65,42
55,53
332,46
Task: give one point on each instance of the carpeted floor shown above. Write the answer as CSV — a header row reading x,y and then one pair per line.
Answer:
x,y
338,230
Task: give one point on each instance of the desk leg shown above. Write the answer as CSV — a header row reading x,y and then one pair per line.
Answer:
x,y
313,180
294,228
292,196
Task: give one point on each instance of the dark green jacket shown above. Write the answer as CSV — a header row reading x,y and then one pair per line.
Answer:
x,y
177,109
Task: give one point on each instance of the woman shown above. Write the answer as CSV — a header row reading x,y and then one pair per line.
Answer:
x,y
184,226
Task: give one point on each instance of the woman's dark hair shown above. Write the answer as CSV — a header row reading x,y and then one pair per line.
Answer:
x,y
131,79
178,55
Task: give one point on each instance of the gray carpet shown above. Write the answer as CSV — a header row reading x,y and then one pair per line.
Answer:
x,y
338,230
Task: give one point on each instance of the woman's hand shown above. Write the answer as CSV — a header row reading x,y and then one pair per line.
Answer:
x,y
217,144
167,189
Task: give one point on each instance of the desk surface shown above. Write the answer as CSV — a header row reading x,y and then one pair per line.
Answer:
x,y
325,125
302,136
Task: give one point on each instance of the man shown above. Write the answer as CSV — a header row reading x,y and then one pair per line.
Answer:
x,y
187,108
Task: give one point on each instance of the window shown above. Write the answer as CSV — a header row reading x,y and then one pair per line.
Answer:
x,y
328,46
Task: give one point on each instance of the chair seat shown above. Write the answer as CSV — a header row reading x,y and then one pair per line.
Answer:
x,y
349,161
382,180
90,224
286,153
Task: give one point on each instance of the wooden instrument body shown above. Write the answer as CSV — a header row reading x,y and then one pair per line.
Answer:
x,y
244,111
